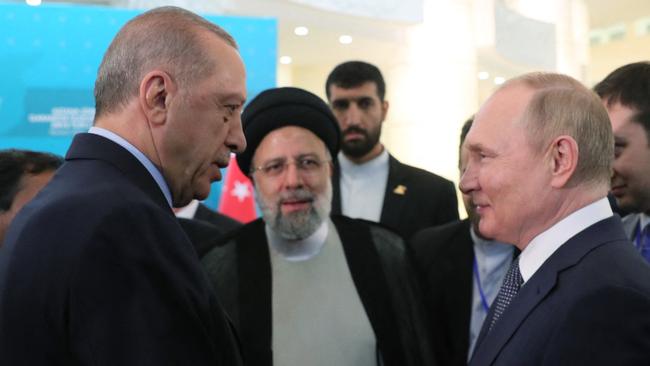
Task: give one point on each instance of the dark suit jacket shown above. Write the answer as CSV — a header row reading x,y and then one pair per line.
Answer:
x,y
588,304
427,200
240,271
443,258
223,222
97,271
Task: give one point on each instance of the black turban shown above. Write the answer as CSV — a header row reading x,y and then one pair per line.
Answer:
x,y
280,107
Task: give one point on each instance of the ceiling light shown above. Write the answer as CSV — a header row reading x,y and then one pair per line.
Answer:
x,y
301,31
499,80
345,39
483,75
33,2
286,60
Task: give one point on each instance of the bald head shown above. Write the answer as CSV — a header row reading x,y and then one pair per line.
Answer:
x,y
561,105
167,38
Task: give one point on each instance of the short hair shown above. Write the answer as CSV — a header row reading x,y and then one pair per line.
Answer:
x,y
629,85
166,37
352,74
465,129
561,105
463,133
14,164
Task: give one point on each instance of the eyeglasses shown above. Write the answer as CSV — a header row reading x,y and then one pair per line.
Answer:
x,y
305,165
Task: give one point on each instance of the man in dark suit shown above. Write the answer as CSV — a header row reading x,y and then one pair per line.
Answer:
x,y
457,250
198,211
96,269
368,182
626,92
202,225
540,158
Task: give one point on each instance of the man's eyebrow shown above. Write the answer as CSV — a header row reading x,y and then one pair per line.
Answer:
x,y
353,99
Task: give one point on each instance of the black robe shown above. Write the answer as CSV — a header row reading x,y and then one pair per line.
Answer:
x,y
239,268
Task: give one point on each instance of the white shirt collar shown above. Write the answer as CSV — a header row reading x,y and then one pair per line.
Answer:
x,y
644,219
489,245
546,243
142,158
371,165
188,211
298,250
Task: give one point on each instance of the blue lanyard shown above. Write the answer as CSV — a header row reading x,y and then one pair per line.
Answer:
x,y
484,302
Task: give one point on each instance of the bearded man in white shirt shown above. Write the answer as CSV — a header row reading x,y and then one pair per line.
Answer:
x,y
540,161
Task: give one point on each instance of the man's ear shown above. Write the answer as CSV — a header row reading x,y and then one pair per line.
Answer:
x,y
384,109
564,160
156,88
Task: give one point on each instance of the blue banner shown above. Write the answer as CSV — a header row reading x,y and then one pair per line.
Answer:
x,y
50,55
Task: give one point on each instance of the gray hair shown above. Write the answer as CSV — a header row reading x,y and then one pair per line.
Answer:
x,y
166,37
561,105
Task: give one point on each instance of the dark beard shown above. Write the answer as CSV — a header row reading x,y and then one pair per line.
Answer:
x,y
359,148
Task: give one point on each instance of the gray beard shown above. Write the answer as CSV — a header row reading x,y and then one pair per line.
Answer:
x,y
301,224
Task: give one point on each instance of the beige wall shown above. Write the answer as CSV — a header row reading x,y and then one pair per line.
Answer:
x,y
607,57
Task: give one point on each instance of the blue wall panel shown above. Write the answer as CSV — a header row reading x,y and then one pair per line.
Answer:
x,y
50,55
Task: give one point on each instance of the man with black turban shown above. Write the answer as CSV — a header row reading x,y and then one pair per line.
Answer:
x,y
304,288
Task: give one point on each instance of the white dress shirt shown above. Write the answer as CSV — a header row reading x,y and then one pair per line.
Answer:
x,y
546,243
363,186
188,211
644,220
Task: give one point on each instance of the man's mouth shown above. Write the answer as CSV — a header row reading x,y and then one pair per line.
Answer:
x,y
480,208
618,190
292,205
354,134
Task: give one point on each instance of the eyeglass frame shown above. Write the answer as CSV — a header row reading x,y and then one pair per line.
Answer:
x,y
284,164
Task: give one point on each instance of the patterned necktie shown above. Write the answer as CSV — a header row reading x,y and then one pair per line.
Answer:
x,y
643,242
511,284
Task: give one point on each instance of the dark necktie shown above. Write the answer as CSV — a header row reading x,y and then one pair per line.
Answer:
x,y
643,242
511,284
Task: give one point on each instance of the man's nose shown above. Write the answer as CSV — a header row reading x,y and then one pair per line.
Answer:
x,y
292,176
236,141
353,115
468,181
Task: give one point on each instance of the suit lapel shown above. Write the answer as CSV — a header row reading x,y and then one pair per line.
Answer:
x,y
397,189
254,273
460,290
540,285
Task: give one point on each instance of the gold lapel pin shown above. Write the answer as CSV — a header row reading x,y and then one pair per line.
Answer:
x,y
400,189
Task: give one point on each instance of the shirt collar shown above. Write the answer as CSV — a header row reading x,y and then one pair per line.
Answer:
x,y
370,165
298,250
151,168
489,247
644,219
189,211
546,243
